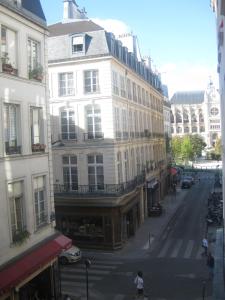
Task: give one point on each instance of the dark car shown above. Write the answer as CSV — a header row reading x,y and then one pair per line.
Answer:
x,y
185,184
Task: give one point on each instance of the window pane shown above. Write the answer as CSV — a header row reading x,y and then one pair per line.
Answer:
x,y
91,159
99,159
65,160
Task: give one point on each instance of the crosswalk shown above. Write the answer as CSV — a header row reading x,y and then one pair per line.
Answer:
x,y
180,248
73,277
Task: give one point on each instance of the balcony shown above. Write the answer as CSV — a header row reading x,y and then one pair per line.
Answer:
x,y
38,147
93,136
8,69
100,190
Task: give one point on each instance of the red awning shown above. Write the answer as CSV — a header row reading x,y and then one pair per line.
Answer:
x,y
20,270
173,171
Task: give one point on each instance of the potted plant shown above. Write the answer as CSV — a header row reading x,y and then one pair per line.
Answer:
x,y
36,73
20,236
6,65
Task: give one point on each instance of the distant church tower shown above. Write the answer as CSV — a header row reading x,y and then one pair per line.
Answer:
x,y
71,12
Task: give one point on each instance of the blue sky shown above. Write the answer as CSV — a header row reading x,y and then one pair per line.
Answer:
x,y
179,35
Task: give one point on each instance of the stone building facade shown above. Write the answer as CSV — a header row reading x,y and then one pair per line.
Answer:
x,y
29,245
107,133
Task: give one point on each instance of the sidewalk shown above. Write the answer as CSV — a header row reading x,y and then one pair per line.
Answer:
x,y
153,227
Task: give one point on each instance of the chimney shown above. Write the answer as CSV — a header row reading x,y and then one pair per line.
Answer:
x,y
71,12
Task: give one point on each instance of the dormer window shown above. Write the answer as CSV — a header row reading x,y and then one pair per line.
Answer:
x,y
77,44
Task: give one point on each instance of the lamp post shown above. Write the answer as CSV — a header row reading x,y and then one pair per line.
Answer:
x,y
87,264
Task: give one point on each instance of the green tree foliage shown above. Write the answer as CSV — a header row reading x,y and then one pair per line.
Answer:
x,y
187,152
187,147
198,144
218,147
176,147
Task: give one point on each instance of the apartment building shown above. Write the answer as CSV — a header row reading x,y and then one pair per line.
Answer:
x,y
29,245
197,112
107,132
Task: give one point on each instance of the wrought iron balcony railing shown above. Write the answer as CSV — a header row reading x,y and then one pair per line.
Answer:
x,y
101,189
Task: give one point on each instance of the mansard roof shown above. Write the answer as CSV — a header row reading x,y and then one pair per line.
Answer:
x,y
73,27
30,9
34,7
188,97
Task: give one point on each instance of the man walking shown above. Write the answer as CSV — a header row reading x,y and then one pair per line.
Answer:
x,y
205,246
139,282
210,264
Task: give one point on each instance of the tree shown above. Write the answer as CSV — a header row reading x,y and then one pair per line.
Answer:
x,y
198,144
176,147
187,152
218,146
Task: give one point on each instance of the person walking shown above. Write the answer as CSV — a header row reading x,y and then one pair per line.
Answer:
x,y
139,282
205,246
210,263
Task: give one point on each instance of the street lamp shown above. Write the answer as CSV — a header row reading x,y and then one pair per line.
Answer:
x,y
87,264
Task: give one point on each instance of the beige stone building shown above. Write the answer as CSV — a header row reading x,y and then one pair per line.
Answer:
x,y
29,246
107,133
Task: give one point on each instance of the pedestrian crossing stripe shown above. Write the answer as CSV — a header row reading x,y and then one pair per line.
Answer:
x,y
180,248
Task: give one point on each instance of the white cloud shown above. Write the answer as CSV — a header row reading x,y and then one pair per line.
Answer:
x,y
111,25
186,77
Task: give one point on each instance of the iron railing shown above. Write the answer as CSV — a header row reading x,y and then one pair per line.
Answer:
x,y
100,189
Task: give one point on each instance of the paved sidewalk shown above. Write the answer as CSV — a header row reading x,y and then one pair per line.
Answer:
x,y
153,227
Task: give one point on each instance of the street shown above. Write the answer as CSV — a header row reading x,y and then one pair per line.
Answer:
x,y
173,267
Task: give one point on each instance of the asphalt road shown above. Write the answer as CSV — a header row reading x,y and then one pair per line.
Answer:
x,y
174,269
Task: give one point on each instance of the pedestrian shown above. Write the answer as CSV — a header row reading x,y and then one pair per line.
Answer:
x,y
67,297
205,246
139,282
210,263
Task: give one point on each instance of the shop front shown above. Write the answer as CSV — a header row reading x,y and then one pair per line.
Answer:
x,y
35,275
100,223
153,194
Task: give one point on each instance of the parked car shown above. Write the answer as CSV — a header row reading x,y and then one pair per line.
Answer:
x,y
185,184
192,180
71,255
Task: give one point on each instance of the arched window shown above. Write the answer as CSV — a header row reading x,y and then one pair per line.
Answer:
x,y
178,117
185,116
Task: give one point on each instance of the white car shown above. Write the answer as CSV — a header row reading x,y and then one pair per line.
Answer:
x,y
71,255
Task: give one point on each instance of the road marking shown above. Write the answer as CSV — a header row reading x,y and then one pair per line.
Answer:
x,y
119,297
146,246
189,248
176,248
82,277
163,251
90,271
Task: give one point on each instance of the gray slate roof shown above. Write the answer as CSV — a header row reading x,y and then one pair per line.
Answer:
x,y
188,97
34,6
30,9
73,27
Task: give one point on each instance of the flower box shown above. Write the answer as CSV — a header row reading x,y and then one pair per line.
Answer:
x,y
38,147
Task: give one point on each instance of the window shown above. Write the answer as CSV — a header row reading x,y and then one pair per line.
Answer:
x,y
179,130
214,111
70,176
36,128
139,93
202,129
66,84
15,194
186,129
8,50
11,129
126,166
40,204
68,124
194,129
115,83
34,57
122,87
119,168
77,44
125,124
91,81
129,94
94,122
134,91
95,172
117,122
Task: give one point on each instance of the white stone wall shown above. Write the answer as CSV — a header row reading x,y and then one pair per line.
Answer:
x,y
26,93
109,146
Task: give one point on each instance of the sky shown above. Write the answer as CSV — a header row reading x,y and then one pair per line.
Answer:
x,y
178,35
